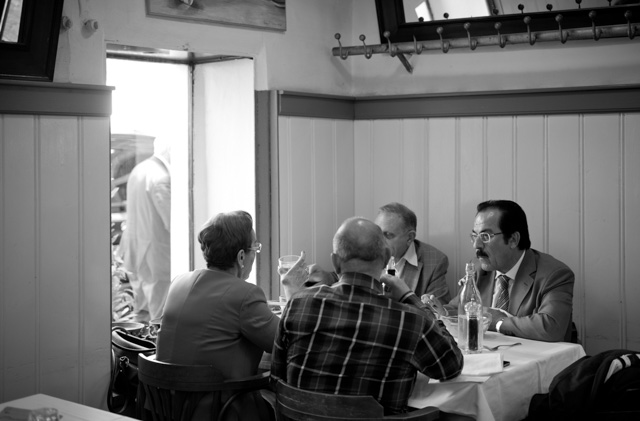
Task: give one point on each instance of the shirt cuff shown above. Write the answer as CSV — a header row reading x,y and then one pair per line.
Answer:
x,y
498,325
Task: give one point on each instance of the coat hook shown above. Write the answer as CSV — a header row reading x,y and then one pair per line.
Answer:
x,y
502,41
346,52
521,8
445,49
367,51
597,32
472,42
632,30
579,2
563,35
532,38
549,6
391,48
417,50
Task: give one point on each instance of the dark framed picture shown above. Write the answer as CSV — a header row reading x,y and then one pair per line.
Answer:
x,y
260,14
29,31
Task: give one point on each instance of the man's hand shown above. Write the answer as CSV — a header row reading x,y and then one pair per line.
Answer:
x,y
434,304
395,288
496,316
294,279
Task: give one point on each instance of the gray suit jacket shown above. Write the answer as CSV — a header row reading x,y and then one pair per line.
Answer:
x,y
430,275
541,298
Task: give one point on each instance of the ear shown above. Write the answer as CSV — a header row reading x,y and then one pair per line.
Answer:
x,y
240,258
411,235
335,260
514,240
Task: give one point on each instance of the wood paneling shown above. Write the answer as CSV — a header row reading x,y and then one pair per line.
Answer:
x,y
576,176
55,256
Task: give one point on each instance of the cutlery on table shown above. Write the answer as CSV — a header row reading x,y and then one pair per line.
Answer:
x,y
495,348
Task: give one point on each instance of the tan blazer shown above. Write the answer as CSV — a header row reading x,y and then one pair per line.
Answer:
x,y
429,277
541,298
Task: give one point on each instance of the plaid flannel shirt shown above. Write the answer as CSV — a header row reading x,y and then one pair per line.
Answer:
x,y
350,339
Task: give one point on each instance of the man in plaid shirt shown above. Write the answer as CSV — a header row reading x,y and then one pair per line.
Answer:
x,y
351,338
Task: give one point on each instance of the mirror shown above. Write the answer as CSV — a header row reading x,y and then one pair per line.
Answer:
x,y
404,19
29,31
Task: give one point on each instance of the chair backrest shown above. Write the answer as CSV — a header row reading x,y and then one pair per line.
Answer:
x,y
305,405
172,392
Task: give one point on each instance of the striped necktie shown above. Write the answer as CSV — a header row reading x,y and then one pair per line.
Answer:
x,y
502,293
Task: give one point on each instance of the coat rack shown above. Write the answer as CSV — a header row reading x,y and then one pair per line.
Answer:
x,y
590,31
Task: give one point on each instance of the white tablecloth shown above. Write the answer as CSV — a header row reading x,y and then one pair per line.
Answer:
x,y
503,396
70,411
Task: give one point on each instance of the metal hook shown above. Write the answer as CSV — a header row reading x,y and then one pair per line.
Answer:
x,y
415,46
392,48
472,42
563,35
632,30
521,8
597,32
346,53
440,30
579,4
367,51
502,41
532,38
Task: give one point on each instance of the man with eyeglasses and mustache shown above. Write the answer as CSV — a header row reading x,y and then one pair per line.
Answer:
x,y
529,293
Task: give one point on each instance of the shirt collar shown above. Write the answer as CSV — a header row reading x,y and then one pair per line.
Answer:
x,y
514,270
410,256
361,280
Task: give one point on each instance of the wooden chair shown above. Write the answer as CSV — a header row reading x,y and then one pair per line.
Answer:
x,y
304,405
172,392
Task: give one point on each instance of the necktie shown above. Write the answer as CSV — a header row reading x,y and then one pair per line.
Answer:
x,y
502,293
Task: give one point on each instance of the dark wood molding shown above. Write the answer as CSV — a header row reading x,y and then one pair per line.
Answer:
x,y
298,104
44,98
509,103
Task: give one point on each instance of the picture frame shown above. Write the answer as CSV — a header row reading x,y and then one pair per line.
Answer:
x,y
258,14
32,57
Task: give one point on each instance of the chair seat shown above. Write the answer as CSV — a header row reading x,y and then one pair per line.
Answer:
x,y
173,392
305,405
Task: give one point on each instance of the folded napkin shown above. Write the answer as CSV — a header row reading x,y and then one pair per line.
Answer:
x,y
482,364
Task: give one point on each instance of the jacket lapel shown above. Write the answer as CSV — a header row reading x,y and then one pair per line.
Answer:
x,y
523,282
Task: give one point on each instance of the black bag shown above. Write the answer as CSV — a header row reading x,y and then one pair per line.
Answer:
x,y
123,387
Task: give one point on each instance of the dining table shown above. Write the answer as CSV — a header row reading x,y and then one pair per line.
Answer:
x,y
67,411
505,393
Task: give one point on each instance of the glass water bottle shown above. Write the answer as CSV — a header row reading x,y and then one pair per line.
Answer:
x,y
470,329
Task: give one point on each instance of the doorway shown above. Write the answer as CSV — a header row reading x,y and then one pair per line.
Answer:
x,y
201,110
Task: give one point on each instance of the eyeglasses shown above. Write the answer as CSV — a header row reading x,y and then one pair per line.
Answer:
x,y
257,247
485,237
390,236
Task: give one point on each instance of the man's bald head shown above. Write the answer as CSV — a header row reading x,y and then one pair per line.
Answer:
x,y
359,245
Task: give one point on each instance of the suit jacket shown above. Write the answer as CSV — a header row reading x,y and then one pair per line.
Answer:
x,y
541,298
429,277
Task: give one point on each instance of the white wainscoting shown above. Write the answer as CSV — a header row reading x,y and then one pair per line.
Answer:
x,y
576,176
55,252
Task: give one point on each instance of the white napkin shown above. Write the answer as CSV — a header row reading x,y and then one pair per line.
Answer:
x,y
482,364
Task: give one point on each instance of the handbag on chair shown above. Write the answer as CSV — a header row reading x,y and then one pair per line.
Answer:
x,y
123,387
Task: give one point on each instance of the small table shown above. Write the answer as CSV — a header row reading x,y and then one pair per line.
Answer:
x,y
70,411
503,396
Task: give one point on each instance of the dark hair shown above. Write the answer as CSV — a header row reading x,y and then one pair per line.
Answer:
x,y
359,238
512,219
407,215
223,236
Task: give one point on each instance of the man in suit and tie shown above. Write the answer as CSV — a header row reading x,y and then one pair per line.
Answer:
x,y
421,266
530,294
